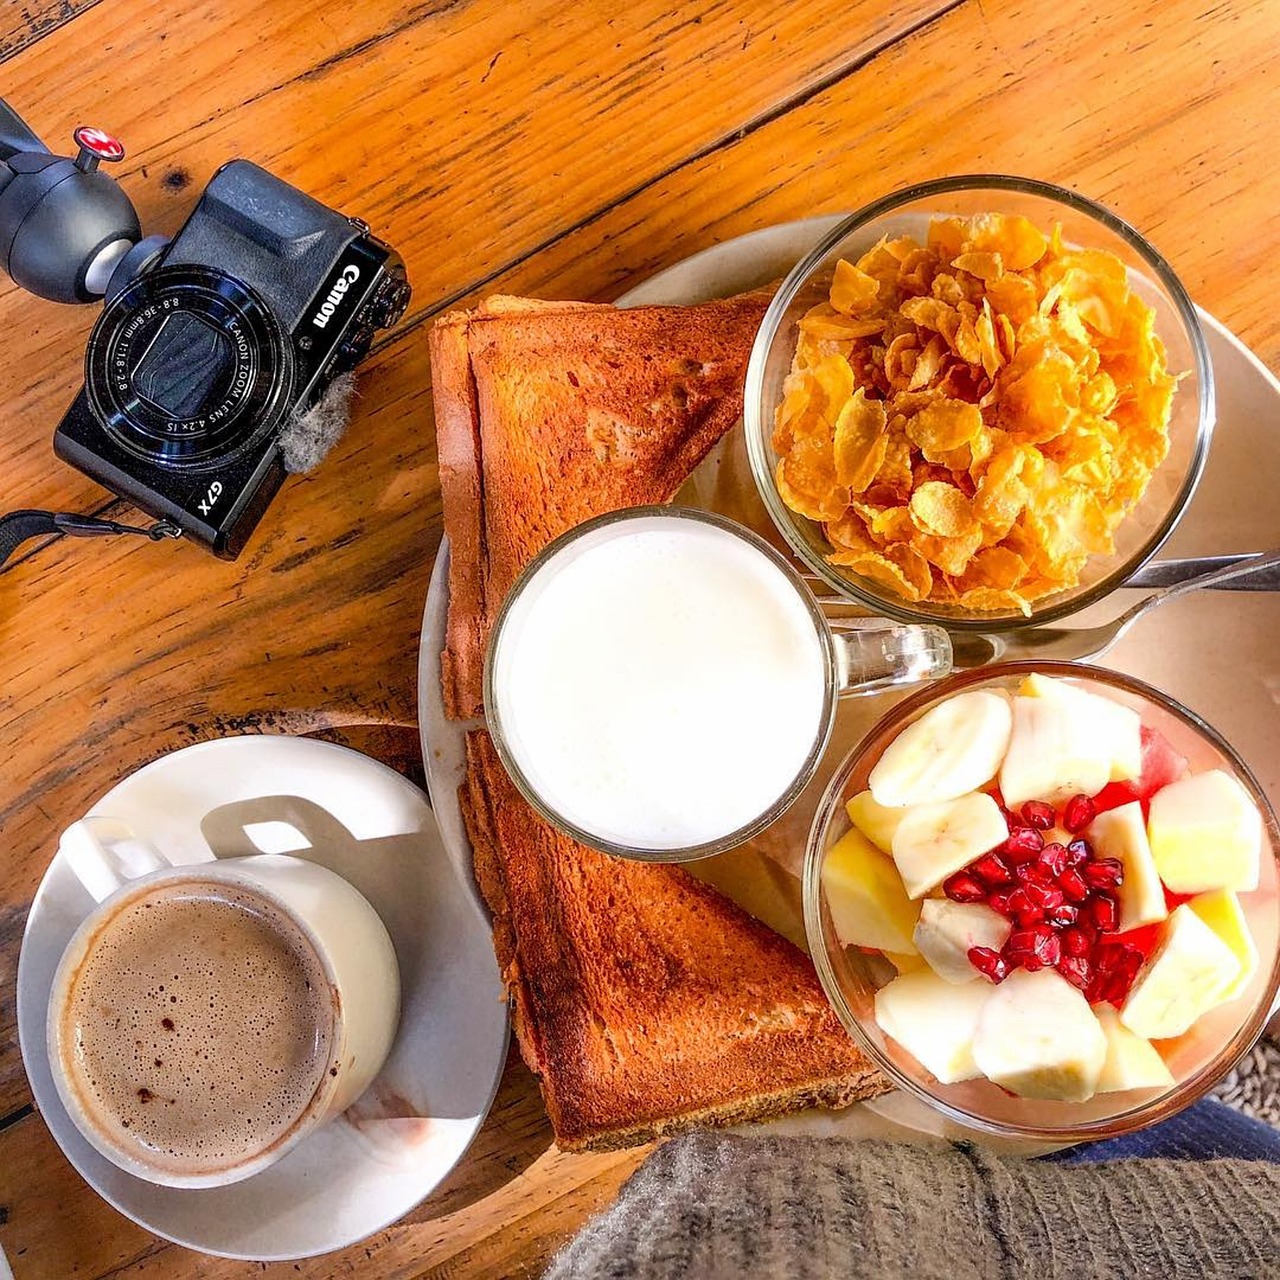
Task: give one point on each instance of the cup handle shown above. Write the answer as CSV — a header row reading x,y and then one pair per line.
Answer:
x,y
873,654
103,853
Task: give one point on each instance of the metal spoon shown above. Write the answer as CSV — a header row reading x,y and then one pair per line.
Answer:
x,y
1068,644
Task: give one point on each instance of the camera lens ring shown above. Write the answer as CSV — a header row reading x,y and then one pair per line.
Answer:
x,y
187,368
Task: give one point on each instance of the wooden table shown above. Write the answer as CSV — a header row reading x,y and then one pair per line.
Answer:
x,y
559,150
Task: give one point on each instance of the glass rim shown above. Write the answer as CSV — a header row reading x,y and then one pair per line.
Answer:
x,y
755,428
1169,1102
707,848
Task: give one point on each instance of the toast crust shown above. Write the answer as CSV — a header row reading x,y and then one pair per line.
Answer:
x,y
644,1000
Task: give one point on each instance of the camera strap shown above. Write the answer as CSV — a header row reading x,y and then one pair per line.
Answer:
x,y
18,526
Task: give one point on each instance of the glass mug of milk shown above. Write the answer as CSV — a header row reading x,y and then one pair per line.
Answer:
x,y
660,683
206,1017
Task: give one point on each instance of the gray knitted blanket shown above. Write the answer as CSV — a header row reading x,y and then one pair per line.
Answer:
x,y
718,1207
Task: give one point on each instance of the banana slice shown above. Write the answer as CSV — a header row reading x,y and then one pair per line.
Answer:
x,y
954,748
1059,748
1120,726
934,840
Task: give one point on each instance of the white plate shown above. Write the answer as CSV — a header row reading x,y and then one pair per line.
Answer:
x,y
1214,651
395,1145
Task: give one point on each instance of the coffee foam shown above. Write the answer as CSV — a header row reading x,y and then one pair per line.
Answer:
x,y
198,1027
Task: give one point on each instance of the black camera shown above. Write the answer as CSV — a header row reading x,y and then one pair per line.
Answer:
x,y
193,368
214,347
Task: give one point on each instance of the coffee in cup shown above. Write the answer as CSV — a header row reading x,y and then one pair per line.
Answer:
x,y
201,1025
205,1018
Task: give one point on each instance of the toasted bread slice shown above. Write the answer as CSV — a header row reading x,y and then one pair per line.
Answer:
x,y
645,1001
549,413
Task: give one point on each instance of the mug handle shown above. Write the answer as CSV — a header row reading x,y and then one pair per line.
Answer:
x,y
873,653
103,854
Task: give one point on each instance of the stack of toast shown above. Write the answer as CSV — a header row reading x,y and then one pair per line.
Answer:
x,y
643,999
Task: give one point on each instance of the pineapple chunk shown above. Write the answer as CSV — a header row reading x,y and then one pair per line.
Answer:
x,y
1221,911
877,822
868,904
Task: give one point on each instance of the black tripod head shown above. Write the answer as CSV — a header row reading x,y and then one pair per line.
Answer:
x,y
64,224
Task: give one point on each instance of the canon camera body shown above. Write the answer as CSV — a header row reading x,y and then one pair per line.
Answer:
x,y
211,344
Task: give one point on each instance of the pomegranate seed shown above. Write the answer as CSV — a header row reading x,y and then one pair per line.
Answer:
x,y
1078,851
1076,970
991,964
992,869
1048,948
1038,814
1075,942
1105,873
998,901
1027,917
1062,916
1077,813
1020,900
1021,943
1105,911
1033,873
1046,897
1023,844
1073,884
1053,857
962,887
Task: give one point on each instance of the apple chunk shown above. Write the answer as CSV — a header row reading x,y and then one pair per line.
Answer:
x,y
1206,833
1188,974
1038,1038
934,1021
868,904
1132,1062
1122,834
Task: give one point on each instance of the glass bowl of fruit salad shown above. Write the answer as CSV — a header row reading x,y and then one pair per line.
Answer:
x,y
1043,897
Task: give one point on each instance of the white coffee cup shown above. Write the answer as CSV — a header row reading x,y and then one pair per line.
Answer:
x,y
346,939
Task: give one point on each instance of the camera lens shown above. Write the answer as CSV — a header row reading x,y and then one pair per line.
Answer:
x,y
186,367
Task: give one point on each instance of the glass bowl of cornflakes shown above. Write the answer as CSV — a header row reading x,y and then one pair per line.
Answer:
x,y
982,400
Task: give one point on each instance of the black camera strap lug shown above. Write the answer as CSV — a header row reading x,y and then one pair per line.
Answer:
x,y
19,526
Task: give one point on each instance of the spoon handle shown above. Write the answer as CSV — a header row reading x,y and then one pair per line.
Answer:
x,y
1169,573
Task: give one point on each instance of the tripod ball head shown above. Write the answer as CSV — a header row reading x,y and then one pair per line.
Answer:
x,y
64,224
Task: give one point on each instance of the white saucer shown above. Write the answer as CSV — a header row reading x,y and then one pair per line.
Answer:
x,y
1213,651
400,1140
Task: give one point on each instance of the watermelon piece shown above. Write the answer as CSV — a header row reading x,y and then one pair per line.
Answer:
x,y
1161,765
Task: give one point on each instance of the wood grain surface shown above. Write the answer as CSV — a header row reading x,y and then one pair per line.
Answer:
x,y
566,151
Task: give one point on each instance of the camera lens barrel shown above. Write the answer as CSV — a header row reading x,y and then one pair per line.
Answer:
x,y
187,367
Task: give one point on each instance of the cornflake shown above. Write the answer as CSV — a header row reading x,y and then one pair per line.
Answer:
x,y
972,418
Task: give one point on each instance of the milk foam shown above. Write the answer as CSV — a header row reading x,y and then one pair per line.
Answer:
x,y
198,1027
661,683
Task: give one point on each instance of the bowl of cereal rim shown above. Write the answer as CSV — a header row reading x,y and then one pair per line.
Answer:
x,y
982,401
